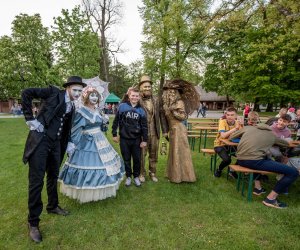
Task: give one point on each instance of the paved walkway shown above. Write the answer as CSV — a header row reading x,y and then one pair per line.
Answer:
x,y
209,114
5,115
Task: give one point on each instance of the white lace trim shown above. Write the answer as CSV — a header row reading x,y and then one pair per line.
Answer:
x,y
110,169
101,143
90,194
94,114
91,131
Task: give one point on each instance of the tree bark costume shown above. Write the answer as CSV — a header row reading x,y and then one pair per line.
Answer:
x,y
151,106
180,165
179,99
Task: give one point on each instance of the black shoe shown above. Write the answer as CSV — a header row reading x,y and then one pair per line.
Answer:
x,y
218,173
58,210
35,234
274,203
259,191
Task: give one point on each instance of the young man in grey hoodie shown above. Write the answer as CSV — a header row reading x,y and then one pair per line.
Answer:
x,y
252,153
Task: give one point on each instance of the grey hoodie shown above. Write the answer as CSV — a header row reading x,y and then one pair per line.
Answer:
x,y
256,141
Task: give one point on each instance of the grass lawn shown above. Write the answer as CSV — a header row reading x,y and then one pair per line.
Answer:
x,y
208,214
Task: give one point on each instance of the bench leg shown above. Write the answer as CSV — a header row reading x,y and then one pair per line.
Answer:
x,y
250,187
238,181
243,183
215,162
205,138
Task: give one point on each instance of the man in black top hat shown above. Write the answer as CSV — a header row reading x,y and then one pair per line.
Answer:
x,y
46,144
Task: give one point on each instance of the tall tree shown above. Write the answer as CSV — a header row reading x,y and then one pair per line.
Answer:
x,y
32,50
254,53
103,15
75,45
124,77
8,66
175,32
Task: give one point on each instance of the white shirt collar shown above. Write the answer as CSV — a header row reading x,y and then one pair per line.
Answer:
x,y
67,97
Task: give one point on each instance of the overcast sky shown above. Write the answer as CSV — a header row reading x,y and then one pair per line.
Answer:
x,y
128,31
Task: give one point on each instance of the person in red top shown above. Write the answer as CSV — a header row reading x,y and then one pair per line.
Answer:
x,y
246,111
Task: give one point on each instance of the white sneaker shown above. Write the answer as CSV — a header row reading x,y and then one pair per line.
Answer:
x,y
142,178
137,181
128,182
154,178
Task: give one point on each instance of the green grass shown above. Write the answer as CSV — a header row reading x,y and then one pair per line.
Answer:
x,y
208,214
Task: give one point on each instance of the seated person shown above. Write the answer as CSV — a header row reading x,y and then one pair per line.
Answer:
x,y
252,153
226,128
253,118
282,111
297,123
291,112
281,130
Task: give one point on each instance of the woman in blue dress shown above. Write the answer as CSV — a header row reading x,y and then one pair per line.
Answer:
x,y
93,170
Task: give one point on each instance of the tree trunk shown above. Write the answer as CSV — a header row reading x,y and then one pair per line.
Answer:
x,y
104,58
256,105
177,56
269,107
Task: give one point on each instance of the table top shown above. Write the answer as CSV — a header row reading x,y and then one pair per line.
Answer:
x,y
228,142
292,144
206,127
295,142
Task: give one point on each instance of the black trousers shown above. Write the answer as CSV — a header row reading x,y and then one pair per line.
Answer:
x,y
223,152
45,159
131,148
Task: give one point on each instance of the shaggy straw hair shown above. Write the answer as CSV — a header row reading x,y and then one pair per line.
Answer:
x,y
185,91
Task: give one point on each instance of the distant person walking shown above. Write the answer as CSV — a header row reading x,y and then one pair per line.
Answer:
x,y
204,109
199,111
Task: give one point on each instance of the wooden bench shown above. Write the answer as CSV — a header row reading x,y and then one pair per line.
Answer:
x,y
213,157
241,171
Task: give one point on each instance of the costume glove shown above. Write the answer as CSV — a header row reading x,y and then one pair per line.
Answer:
x,y
70,148
35,125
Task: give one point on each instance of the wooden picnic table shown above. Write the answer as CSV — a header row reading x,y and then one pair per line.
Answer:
x,y
203,132
228,142
295,142
292,144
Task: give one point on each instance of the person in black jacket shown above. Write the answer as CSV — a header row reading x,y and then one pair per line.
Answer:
x,y
133,131
46,145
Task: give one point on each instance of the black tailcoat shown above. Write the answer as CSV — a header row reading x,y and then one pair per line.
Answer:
x,y
53,102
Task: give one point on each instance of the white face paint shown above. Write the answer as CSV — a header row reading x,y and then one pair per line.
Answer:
x,y
75,91
93,98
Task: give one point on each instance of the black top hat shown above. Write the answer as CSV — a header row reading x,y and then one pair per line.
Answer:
x,y
74,80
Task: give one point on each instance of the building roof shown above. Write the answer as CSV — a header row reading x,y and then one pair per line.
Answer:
x,y
211,96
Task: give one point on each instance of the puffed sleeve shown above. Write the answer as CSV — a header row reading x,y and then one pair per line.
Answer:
x,y
179,111
79,123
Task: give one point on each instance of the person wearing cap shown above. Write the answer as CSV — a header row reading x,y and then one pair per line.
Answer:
x,y
46,144
150,104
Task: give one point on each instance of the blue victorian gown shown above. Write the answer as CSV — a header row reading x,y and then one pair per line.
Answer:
x,y
95,170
